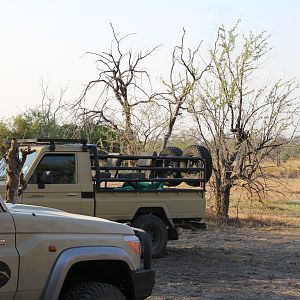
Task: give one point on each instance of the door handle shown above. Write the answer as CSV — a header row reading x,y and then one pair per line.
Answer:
x,y
72,194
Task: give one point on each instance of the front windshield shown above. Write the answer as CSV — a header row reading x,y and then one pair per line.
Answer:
x,y
28,162
2,169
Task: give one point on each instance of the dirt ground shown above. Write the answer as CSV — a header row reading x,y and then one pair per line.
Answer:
x,y
238,261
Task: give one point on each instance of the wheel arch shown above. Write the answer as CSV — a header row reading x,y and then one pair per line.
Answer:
x,y
113,272
79,257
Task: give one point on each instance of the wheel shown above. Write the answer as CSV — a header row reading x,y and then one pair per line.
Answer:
x,y
93,291
156,228
170,151
201,151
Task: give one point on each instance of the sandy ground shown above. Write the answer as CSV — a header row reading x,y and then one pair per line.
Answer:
x,y
231,262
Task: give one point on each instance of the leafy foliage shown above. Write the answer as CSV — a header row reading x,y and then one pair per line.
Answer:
x,y
241,123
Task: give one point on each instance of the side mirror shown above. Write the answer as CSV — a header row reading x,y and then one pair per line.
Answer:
x,y
40,181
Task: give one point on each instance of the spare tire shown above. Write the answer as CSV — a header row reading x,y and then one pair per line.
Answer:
x,y
169,151
200,151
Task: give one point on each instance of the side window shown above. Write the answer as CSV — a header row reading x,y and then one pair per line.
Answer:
x,y
55,169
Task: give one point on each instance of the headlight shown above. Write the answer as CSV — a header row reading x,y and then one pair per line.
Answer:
x,y
134,243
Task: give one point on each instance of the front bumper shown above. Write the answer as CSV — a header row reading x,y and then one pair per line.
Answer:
x,y
142,282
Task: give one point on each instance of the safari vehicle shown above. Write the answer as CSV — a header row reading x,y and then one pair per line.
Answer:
x,y
50,254
154,192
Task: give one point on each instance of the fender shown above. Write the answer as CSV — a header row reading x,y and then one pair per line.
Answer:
x,y
72,256
152,206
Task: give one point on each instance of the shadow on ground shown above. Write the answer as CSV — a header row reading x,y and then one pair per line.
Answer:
x,y
230,263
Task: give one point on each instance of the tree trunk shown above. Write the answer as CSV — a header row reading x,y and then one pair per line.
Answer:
x,y
15,183
222,203
165,140
129,138
171,125
13,173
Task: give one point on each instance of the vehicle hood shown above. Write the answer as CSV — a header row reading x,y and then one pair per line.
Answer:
x,y
37,219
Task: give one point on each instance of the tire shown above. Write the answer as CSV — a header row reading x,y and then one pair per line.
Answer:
x,y
201,151
93,291
156,228
170,151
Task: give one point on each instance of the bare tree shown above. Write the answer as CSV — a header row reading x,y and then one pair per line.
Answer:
x,y
149,126
50,111
42,121
241,124
120,82
184,74
15,183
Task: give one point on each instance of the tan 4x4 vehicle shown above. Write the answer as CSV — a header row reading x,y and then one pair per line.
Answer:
x,y
142,190
49,254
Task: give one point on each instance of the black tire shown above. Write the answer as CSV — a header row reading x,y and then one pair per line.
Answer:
x,y
170,151
93,291
201,151
157,230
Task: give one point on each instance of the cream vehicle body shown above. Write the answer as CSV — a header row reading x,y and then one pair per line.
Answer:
x,y
140,190
49,254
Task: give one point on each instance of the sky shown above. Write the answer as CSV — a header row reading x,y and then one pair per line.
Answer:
x,y
47,39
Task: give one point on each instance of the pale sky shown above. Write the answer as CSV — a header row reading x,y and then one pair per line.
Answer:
x,y
45,39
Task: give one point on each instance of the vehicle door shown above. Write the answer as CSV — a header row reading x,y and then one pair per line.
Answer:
x,y
9,258
54,183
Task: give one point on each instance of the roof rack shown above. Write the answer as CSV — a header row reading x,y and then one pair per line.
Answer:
x,y
53,141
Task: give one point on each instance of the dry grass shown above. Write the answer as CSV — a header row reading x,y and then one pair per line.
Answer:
x,y
278,209
272,212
